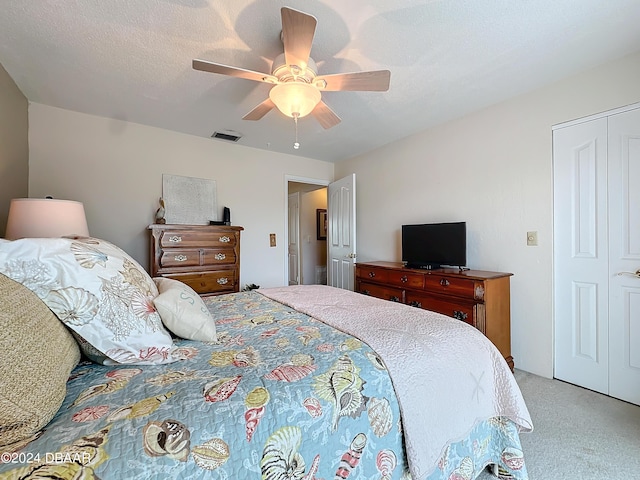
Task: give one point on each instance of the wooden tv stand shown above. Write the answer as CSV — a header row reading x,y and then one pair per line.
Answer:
x,y
480,298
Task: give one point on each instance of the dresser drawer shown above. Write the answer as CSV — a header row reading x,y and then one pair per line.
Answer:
x,y
204,239
218,257
173,257
179,258
379,291
208,282
374,274
460,287
461,311
405,279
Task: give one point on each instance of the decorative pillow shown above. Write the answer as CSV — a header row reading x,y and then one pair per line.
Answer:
x,y
98,291
183,312
37,353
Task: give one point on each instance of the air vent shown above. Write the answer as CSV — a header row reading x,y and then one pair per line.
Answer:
x,y
228,135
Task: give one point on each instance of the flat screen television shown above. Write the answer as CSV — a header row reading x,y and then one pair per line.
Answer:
x,y
432,245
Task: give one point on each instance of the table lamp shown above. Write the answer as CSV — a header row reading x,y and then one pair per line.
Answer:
x,y
45,217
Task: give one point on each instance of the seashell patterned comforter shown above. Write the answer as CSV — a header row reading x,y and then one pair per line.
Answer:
x,y
281,396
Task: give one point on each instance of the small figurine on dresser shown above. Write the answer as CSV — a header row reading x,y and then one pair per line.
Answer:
x,y
160,212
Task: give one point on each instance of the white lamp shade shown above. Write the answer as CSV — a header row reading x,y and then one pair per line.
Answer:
x,y
295,97
45,217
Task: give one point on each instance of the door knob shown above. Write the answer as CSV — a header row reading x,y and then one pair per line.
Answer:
x,y
633,274
351,255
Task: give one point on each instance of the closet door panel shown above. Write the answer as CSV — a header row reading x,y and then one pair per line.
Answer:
x,y
624,256
581,254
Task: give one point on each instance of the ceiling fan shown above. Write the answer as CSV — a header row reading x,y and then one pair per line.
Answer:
x,y
297,87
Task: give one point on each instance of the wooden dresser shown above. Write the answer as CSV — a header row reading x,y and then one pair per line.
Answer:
x,y
205,257
479,298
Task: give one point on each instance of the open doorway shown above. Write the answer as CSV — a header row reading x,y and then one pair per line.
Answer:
x,y
306,238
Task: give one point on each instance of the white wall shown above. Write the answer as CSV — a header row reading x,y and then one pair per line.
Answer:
x,y
314,251
14,145
492,169
115,168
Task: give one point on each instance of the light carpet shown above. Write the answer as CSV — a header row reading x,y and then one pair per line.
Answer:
x,y
578,433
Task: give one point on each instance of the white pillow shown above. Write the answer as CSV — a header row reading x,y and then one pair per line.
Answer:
x,y
96,290
183,312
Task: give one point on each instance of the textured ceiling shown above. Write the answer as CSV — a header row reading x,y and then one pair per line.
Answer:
x,y
131,60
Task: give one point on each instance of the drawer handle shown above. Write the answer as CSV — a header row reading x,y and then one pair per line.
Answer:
x,y
372,274
415,303
225,239
444,282
175,238
404,279
180,258
220,256
393,298
459,315
222,281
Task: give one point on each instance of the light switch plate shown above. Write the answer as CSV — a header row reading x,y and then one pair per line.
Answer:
x,y
532,239
272,239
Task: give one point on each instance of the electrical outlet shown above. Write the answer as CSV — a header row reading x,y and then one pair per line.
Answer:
x,y
532,239
272,239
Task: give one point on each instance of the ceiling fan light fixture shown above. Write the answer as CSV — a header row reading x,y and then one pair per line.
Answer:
x,y
296,89
305,72
295,98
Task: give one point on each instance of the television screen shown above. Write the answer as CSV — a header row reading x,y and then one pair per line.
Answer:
x,y
432,245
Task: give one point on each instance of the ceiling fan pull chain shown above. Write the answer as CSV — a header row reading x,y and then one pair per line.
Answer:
x,y
296,145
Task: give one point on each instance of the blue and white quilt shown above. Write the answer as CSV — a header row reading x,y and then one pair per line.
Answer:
x,y
280,396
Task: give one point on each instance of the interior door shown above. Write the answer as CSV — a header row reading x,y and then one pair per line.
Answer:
x,y
294,238
341,232
624,256
597,254
581,267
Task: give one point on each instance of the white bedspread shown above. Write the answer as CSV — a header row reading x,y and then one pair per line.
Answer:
x,y
447,375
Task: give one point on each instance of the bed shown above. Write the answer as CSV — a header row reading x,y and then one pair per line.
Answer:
x,y
301,382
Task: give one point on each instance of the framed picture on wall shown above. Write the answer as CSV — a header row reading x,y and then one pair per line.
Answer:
x,y
321,223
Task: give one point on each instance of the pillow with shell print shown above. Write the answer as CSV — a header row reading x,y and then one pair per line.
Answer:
x,y
98,291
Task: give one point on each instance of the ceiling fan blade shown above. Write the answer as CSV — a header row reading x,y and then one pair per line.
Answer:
x,y
211,67
325,115
298,29
260,111
374,81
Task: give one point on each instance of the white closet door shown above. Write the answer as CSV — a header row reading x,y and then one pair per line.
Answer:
x,y
624,256
581,254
